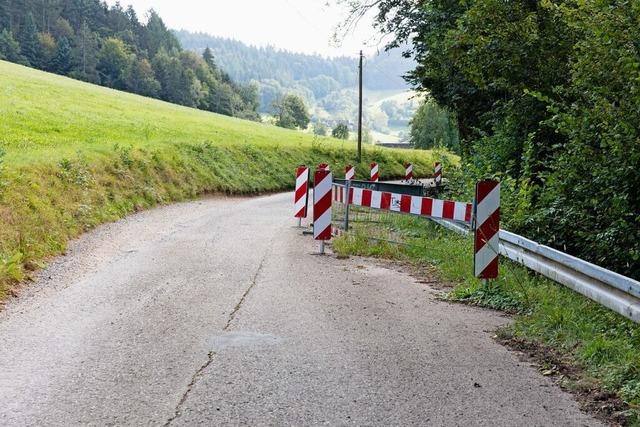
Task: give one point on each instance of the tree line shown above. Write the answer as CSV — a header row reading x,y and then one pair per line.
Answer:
x,y
327,85
320,74
546,96
110,46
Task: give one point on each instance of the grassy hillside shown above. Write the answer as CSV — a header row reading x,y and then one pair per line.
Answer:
x,y
76,155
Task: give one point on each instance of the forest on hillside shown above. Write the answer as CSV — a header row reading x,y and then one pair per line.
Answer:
x,y
110,46
328,85
546,95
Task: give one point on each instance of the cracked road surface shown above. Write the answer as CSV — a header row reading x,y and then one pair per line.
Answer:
x,y
216,312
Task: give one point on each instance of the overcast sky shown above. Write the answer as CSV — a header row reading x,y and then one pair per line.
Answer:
x,y
297,25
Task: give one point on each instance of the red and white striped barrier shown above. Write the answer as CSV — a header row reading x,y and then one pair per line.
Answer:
x,y
408,175
349,173
487,230
375,172
322,206
301,200
416,205
438,174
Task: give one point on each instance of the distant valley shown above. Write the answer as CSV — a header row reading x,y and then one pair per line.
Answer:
x,y
328,85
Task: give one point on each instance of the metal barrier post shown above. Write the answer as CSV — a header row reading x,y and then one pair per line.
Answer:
x,y
346,205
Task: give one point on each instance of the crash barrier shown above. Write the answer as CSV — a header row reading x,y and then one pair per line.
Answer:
x,y
612,290
390,187
415,205
486,214
393,197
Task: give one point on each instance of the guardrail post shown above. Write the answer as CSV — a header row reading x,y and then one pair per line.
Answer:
x,y
347,191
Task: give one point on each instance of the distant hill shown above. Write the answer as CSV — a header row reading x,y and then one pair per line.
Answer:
x,y
329,85
245,63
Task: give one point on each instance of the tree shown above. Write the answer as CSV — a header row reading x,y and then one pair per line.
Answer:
x,y
113,60
62,60
320,129
85,54
250,98
5,16
291,112
140,78
9,48
341,131
48,49
158,36
433,126
176,81
28,39
209,59
62,28
95,42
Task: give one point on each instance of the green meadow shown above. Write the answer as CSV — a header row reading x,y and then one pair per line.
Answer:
x,y
75,155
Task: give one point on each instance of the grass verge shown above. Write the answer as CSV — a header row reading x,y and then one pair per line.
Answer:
x,y
593,352
75,155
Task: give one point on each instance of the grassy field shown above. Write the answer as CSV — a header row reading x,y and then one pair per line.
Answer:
x,y
592,351
75,155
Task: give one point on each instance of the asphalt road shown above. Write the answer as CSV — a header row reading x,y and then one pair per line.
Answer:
x,y
216,312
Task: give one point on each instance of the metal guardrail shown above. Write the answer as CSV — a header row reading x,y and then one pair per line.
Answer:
x,y
612,290
390,187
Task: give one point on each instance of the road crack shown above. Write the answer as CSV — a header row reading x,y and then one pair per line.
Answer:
x,y
178,410
194,380
246,293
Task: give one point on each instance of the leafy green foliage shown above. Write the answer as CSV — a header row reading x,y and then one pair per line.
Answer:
x,y
547,99
320,129
341,131
291,112
432,126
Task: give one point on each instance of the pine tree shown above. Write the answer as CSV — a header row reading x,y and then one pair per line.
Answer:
x,y
62,61
28,39
5,16
209,59
85,52
9,48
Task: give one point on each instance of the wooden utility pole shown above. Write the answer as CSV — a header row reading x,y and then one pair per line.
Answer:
x,y
360,113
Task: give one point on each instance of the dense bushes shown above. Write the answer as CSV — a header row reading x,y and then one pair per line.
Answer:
x,y
547,96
